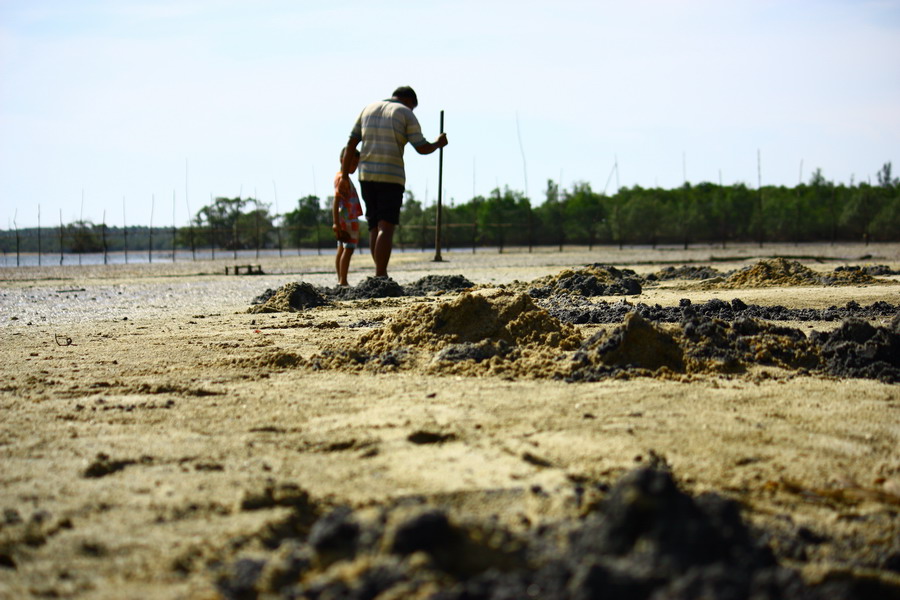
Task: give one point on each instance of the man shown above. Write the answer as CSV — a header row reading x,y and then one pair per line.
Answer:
x,y
384,128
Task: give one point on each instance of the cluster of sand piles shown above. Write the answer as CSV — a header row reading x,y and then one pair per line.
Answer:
x,y
291,297
648,539
488,331
592,280
497,332
780,272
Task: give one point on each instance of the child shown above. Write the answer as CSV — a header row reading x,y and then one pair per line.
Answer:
x,y
345,211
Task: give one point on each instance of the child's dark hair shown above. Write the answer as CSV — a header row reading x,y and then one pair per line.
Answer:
x,y
344,149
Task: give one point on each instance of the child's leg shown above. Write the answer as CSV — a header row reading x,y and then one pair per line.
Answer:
x,y
344,268
337,262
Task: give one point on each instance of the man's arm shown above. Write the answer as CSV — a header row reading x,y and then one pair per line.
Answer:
x,y
430,147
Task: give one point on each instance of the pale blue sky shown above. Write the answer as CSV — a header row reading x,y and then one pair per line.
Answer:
x,y
114,99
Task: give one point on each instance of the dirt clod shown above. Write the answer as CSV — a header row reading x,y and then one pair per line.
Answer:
x,y
648,539
592,280
859,349
291,297
436,284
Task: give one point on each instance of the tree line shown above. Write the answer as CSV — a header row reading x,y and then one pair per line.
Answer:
x,y
703,213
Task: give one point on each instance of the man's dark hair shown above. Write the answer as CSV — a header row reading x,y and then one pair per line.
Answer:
x,y
406,92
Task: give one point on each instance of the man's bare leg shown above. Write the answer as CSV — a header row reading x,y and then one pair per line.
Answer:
x,y
382,245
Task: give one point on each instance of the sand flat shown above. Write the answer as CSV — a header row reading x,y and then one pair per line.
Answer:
x,y
145,413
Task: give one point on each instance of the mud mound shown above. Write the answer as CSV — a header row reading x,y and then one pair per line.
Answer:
x,y
471,318
370,287
493,327
697,345
580,311
780,272
737,309
848,276
262,298
593,280
648,540
433,284
635,345
715,346
291,297
774,272
704,345
269,359
873,270
859,349
685,272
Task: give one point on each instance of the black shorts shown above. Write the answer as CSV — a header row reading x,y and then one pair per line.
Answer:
x,y
383,201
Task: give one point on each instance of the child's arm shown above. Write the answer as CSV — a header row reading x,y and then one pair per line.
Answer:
x,y
335,209
352,143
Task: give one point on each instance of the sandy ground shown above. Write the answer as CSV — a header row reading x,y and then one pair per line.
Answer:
x,y
152,430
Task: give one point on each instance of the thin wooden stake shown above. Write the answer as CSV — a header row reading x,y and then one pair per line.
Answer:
x,y
60,238
125,229
103,233
150,250
174,230
39,235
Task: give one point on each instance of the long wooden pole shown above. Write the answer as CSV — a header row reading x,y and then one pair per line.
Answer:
x,y
437,228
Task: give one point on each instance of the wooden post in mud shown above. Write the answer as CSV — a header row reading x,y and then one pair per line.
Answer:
x,y
437,223
39,235
125,229
16,227
81,222
174,228
60,238
150,248
103,234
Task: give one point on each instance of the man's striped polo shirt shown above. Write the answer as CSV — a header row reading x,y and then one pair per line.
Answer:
x,y
384,128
